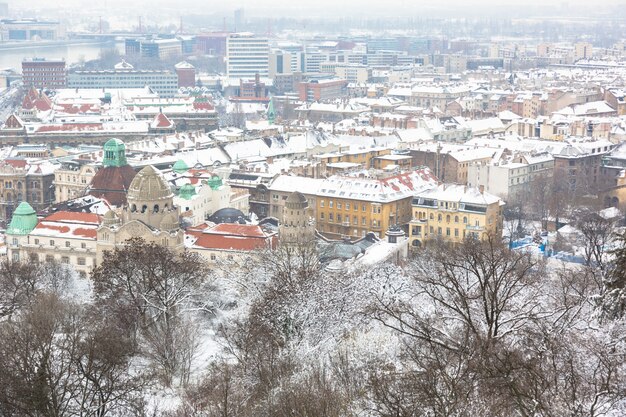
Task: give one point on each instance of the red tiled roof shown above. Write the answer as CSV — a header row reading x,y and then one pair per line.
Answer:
x,y
13,122
244,230
211,241
111,183
71,127
84,232
73,217
45,225
16,163
72,108
162,121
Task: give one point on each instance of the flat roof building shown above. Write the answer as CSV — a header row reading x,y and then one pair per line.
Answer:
x,y
42,73
247,56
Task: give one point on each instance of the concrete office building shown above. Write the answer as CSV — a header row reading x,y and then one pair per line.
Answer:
x,y
165,83
30,30
247,56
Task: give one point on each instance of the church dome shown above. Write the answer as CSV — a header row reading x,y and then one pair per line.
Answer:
x,y
169,223
110,218
228,215
296,201
180,167
187,191
149,185
24,220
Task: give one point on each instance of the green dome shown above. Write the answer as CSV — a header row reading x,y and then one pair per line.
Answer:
x,y
215,182
180,167
23,221
114,153
187,191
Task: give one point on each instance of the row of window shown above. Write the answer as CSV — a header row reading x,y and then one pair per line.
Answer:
x,y
346,218
376,208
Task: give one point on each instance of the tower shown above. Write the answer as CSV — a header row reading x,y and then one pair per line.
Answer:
x,y
297,225
114,153
150,198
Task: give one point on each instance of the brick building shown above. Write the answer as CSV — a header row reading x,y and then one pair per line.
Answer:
x,y
41,73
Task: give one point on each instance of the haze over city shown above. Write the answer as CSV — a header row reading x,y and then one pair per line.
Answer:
x,y
312,208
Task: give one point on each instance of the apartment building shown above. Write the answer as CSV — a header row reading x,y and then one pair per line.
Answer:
x,y
353,207
454,213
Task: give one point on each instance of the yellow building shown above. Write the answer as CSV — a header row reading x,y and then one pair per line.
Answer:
x,y
454,212
353,206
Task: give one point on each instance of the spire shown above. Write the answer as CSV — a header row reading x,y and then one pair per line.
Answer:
x,y
271,114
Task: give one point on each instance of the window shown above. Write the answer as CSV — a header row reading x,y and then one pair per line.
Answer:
x,y
331,217
65,259
448,219
230,257
321,203
330,204
355,220
36,241
456,219
51,242
432,230
432,216
338,205
347,206
322,216
49,258
81,261
439,217
83,245
213,257
275,196
464,220
439,231
16,256
338,218
477,223
456,232
447,231
363,221
363,208
67,244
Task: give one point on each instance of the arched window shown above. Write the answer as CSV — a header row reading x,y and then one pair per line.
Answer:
x,y
144,208
156,208
464,220
432,216
439,217
456,219
19,185
165,207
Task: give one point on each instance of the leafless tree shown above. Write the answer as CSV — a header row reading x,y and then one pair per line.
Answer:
x,y
18,286
159,285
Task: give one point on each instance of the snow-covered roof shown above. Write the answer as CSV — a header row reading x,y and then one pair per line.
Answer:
x,y
459,194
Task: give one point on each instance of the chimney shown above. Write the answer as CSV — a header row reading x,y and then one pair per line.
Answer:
x,y
481,188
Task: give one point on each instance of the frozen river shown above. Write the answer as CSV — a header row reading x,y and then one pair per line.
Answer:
x,y
12,58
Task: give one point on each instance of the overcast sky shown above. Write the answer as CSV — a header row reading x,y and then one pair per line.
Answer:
x,y
346,8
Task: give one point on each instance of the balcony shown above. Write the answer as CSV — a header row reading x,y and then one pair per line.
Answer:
x,y
475,228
